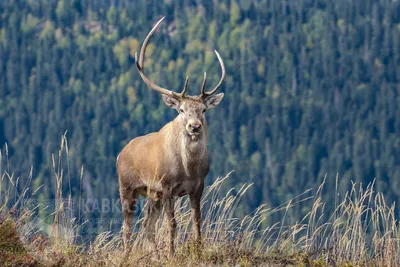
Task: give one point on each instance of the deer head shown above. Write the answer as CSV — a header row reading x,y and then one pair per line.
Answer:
x,y
191,109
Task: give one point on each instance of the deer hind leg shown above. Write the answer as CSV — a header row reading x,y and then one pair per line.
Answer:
x,y
128,200
168,203
153,213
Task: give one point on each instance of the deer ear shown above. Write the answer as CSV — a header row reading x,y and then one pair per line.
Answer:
x,y
170,101
214,100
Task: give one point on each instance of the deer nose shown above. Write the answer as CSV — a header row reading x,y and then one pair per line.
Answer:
x,y
195,127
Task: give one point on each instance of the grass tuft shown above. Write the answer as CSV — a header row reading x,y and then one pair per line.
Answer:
x,y
12,249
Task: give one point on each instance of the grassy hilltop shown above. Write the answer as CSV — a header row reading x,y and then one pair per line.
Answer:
x,y
311,89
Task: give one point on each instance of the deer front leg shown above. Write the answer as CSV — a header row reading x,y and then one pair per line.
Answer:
x,y
128,201
168,204
196,212
153,212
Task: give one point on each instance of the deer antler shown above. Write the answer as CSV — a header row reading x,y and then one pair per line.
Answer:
x,y
140,67
206,94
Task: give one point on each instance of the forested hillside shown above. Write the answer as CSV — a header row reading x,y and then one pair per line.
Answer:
x,y
312,88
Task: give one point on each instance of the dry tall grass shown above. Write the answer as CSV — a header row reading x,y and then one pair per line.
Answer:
x,y
362,231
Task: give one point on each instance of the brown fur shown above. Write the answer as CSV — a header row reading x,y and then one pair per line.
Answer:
x,y
172,162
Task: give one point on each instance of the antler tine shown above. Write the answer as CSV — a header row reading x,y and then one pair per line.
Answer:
x,y
140,65
221,62
203,86
182,94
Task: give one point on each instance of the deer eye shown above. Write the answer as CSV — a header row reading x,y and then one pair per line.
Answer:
x,y
204,110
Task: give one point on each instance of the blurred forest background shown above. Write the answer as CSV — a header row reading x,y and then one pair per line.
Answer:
x,y
312,88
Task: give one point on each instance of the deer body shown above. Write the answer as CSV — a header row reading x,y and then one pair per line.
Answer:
x,y
170,163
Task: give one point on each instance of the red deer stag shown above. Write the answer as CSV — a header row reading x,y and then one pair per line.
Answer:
x,y
172,162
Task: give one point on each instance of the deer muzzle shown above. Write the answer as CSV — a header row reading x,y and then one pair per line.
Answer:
x,y
193,127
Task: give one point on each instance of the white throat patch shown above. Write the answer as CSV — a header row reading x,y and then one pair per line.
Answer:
x,y
192,150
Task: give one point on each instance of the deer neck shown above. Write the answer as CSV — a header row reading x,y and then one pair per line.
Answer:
x,y
190,149
193,145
